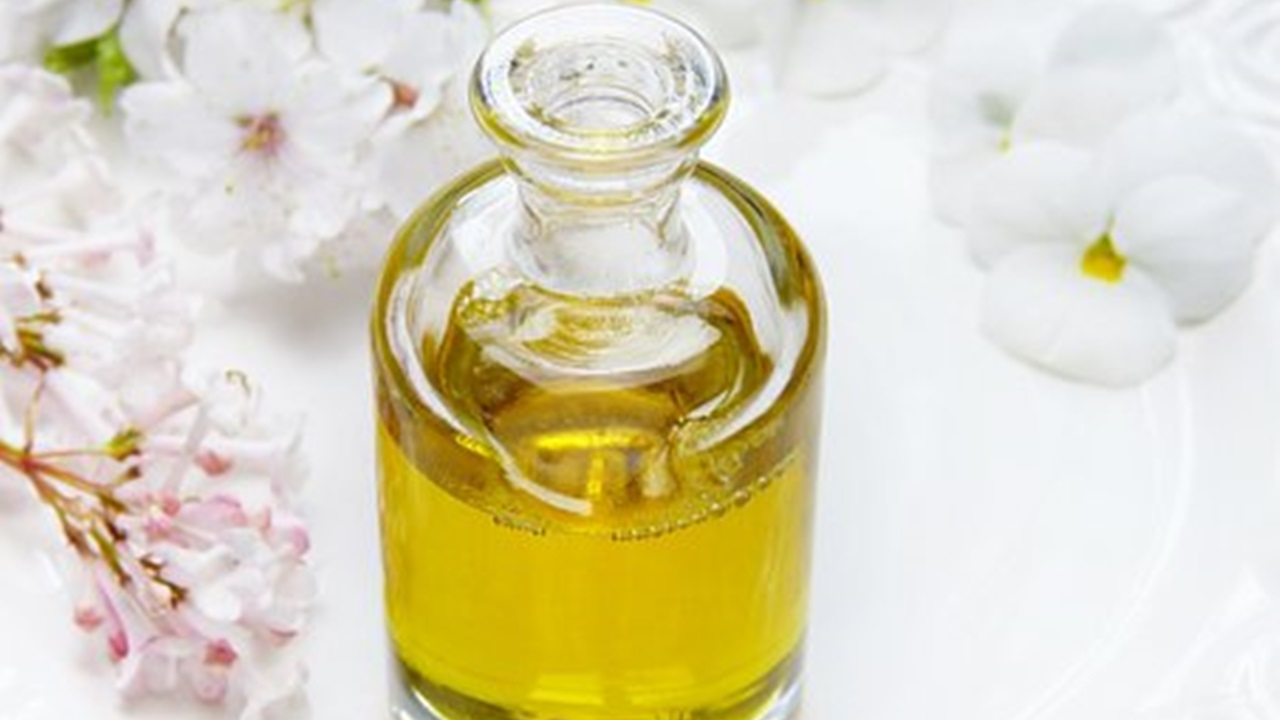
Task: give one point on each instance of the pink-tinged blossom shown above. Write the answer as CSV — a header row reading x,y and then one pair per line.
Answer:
x,y
260,139
174,489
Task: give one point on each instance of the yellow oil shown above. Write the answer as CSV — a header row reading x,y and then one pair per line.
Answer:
x,y
597,545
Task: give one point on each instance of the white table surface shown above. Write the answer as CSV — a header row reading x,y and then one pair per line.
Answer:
x,y
993,543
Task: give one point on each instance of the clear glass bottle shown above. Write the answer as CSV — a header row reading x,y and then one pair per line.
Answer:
x,y
598,368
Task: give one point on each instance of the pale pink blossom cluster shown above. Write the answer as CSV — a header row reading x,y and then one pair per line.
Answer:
x,y
176,492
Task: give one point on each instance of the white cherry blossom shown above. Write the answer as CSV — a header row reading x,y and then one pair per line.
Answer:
x,y
411,160
30,27
415,49
147,29
424,56
69,21
175,491
261,137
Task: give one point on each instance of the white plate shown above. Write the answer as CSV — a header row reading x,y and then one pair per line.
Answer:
x,y
994,543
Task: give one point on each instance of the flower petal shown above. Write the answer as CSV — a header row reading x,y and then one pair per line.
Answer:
x,y
1119,37
426,56
83,19
1155,145
20,36
242,57
985,73
952,179
358,35
907,26
832,51
331,112
169,121
412,161
1191,236
1110,64
1036,193
1081,107
144,34
1039,306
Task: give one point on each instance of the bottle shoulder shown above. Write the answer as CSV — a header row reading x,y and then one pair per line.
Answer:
x,y
672,387
460,252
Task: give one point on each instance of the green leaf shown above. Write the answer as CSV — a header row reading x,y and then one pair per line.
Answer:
x,y
102,53
114,69
65,58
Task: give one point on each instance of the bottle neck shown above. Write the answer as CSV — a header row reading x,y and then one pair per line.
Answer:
x,y
599,111
614,231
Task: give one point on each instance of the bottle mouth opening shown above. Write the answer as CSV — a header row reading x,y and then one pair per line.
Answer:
x,y
599,83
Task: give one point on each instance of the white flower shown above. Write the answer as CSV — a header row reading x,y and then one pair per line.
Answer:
x,y
147,29
20,30
41,128
70,21
1106,216
176,494
996,88
1095,257
844,46
147,37
262,137
29,27
412,161
425,56
417,50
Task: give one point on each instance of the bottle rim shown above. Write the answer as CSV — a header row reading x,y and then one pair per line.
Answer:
x,y
529,82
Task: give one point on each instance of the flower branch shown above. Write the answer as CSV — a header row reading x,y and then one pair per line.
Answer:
x,y
175,491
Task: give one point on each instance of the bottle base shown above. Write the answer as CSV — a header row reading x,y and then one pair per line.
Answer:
x,y
776,696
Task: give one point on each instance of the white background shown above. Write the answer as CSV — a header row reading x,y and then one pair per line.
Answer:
x,y
993,543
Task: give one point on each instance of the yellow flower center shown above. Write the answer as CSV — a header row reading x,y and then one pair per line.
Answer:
x,y
1102,262
263,134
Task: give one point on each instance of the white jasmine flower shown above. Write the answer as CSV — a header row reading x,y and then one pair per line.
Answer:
x,y
1095,257
996,88
263,137
844,46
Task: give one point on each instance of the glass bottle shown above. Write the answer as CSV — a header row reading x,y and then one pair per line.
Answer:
x,y
598,367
